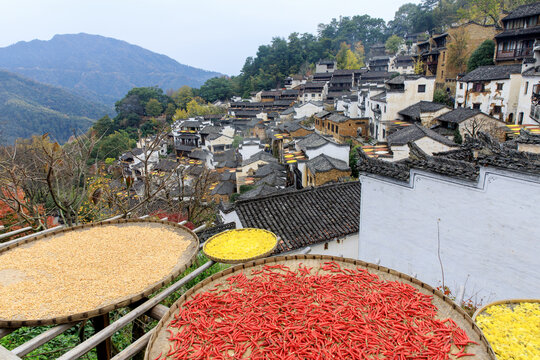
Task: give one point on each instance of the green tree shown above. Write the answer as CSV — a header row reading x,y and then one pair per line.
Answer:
x,y
458,51
360,53
482,56
153,108
113,145
419,67
346,59
169,111
458,139
182,96
103,126
353,161
393,44
218,88
442,97
489,11
236,141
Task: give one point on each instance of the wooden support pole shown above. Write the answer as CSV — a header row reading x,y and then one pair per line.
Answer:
x,y
137,328
103,349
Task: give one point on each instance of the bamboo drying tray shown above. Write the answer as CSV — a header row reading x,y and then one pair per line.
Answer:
x,y
239,261
185,259
509,302
159,342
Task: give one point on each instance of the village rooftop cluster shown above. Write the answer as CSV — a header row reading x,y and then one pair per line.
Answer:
x,y
287,159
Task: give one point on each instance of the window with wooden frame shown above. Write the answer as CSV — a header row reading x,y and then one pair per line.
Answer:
x,y
500,86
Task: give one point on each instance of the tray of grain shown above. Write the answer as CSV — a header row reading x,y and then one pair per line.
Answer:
x,y
315,306
512,327
88,270
240,245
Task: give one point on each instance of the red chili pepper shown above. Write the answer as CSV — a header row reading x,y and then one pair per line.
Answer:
x,y
334,313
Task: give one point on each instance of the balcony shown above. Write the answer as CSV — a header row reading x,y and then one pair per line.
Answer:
x,y
515,53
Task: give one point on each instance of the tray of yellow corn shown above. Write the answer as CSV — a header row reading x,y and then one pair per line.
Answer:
x,y
512,327
240,245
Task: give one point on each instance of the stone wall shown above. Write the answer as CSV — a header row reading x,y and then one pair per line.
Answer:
x,y
322,178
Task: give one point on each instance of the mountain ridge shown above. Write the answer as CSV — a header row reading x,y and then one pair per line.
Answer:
x,y
28,108
100,68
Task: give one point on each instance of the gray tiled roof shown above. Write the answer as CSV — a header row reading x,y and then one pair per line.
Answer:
x,y
288,111
273,179
210,130
214,230
224,188
305,217
324,163
379,97
415,132
338,118
518,32
259,191
312,141
227,176
492,72
458,115
261,155
318,86
268,169
523,11
166,165
322,114
414,111
462,163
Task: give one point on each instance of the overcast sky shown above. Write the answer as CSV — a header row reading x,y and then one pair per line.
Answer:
x,y
210,34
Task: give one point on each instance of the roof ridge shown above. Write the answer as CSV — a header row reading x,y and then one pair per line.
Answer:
x,y
299,192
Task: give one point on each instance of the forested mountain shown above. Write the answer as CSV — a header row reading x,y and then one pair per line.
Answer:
x,y
96,67
298,52
30,108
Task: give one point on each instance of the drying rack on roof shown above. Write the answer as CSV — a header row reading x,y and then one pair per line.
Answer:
x,y
101,340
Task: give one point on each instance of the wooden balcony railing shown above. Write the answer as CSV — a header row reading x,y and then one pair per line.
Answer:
x,y
515,53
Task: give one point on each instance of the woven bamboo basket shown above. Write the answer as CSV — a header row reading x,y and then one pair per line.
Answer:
x,y
240,261
185,259
159,343
509,302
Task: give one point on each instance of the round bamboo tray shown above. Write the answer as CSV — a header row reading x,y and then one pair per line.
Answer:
x,y
239,261
509,302
159,343
185,259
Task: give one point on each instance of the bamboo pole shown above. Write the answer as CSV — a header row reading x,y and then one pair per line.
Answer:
x,y
14,232
41,339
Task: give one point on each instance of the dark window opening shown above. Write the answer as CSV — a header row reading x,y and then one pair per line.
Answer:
x,y
499,86
476,106
421,88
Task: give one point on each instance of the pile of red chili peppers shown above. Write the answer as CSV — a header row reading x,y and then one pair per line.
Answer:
x,y
338,314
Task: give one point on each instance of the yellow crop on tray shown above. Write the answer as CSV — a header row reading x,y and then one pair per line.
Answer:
x,y
240,244
514,334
